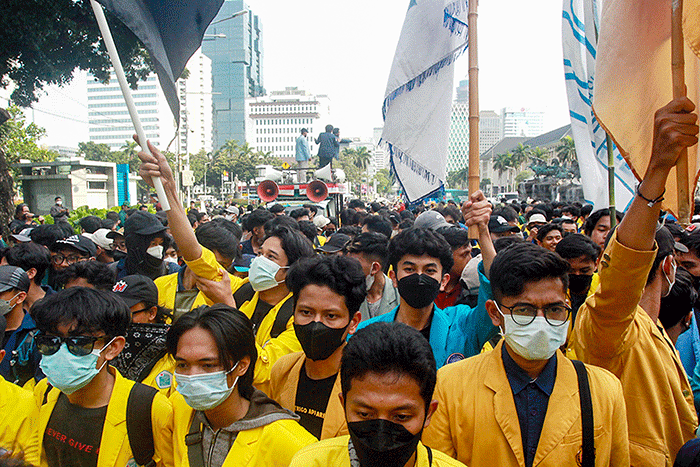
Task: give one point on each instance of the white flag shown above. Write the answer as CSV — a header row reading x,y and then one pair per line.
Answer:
x,y
580,21
418,98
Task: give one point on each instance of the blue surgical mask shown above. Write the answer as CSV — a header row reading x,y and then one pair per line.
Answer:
x,y
205,391
262,273
69,372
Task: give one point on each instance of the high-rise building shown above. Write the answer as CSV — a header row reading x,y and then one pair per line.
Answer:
x,y
235,48
196,106
275,121
522,122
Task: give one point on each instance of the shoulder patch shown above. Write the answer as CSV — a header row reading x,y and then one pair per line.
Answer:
x,y
455,357
164,380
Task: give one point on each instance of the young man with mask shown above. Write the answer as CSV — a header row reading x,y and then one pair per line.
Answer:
x,y
328,291
387,376
83,402
67,251
461,246
21,362
421,261
255,224
35,260
518,405
219,417
617,328
677,307
582,254
372,251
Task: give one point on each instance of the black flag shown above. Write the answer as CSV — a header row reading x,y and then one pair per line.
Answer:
x,y
171,31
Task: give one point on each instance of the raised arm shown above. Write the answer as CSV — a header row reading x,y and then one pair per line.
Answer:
x,y
477,212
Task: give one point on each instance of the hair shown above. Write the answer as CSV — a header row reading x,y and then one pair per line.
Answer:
x,y
586,209
90,223
692,241
576,245
378,224
523,263
312,208
341,274
666,246
108,223
258,218
27,256
299,212
502,243
294,244
508,213
572,209
231,330
221,236
457,237
47,234
309,230
593,219
91,310
406,224
329,128
347,217
281,221
419,242
389,348
451,211
113,215
356,203
350,230
679,302
95,273
374,246
18,211
545,229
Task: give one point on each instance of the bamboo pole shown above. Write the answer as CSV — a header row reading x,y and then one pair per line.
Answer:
x,y
473,106
611,181
678,76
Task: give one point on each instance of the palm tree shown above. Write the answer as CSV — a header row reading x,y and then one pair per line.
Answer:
x,y
520,154
129,149
503,162
566,151
458,178
362,158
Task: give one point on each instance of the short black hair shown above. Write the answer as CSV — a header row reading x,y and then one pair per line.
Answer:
x,y
281,221
27,256
294,244
347,217
309,230
406,224
507,212
112,215
298,212
456,236
666,246
350,230
341,274
312,208
378,224
258,218
329,128
680,301
406,214
90,223
692,241
108,223
95,273
91,310
593,219
504,242
545,229
374,246
415,241
572,209
389,348
47,234
522,263
231,330
451,211
356,203
576,245
220,235
586,209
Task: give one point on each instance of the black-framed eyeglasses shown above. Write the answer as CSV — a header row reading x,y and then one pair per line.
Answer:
x,y
524,314
77,345
59,258
141,310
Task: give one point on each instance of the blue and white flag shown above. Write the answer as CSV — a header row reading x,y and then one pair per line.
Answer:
x,y
580,22
418,98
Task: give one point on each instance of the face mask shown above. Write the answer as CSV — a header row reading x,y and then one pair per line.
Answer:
x,y
229,217
318,340
670,283
205,391
69,372
6,305
536,341
369,280
382,443
419,290
118,255
170,259
262,273
59,202
156,251
580,283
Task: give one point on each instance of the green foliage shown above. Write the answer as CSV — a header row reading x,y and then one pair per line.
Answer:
x,y
385,181
524,175
347,162
503,162
18,140
484,184
458,178
237,159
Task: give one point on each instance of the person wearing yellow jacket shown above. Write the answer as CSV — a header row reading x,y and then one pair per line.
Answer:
x,y
525,403
387,378
83,401
220,419
328,292
618,327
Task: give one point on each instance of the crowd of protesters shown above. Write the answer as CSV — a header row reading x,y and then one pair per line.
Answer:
x,y
389,336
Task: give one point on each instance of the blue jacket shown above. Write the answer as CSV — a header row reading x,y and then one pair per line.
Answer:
x,y
303,151
457,332
327,145
688,346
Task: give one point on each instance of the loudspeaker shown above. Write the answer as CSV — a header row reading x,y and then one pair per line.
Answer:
x,y
268,191
324,173
316,191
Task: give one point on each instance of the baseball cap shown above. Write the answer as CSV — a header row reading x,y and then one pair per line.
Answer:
x,y
232,210
336,243
537,217
12,277
321,221
116,233
136,288
498,224
23,235
430,220
142,223
78,242
101,238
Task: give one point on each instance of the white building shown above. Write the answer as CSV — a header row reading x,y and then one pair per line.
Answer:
x,y
195,95
274,122
522,122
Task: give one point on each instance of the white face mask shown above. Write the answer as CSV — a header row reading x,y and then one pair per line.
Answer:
x,y
170,259
538,340
156,251
370,281
670,283
59,202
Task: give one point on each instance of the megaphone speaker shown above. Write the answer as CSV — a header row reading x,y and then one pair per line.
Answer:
x,y
268,191
324,173
316,191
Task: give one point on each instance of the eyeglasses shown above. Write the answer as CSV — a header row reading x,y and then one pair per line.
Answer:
x,y
141,310
77,345
59,258
524,314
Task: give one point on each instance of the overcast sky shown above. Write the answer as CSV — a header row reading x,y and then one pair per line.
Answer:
x,y
345,49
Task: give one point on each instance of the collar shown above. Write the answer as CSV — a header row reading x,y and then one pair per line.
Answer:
x,y
519,379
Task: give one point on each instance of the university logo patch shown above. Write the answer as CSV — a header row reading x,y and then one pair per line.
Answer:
x,y
164,380
119,287
455,357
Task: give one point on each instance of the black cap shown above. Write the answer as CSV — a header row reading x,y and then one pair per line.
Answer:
x,y
12,277
77,242
336,243
135,289
142,223
498,224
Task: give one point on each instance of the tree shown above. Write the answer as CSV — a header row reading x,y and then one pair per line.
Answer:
x,y
520,154
484,184
237,159
18,140
43,41
566,151
503,162
458,178
385,181
346,161
95,151
362,158
6,183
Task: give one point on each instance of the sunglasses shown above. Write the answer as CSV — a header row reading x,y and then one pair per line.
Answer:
x,y
77,345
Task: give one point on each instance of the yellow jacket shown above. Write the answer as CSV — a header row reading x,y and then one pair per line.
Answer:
x,y
162,375
115,449
615,333
334,452
270,349
284,381
18,414
476,421
271,445
207,267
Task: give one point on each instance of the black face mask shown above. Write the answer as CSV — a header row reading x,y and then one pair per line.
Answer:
x,y
140,262
419,290
318,340
579,283
381,443
118,255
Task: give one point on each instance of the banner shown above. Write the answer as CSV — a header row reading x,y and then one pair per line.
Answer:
x,y
418,98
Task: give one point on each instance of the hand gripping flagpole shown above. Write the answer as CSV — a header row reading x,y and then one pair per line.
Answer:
x,y
126,92
678,76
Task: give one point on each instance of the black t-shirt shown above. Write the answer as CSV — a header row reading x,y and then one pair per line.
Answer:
x,y
426,330
312,400
261,310
73,434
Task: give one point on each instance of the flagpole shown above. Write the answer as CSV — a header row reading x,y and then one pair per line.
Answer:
x,y
473,106
611,181
678,76
126,92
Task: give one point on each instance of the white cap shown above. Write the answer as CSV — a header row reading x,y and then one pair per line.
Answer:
x,y
99,238
320,221
537,217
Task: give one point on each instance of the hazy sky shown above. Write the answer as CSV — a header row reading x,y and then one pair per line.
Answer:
x,y
345,48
